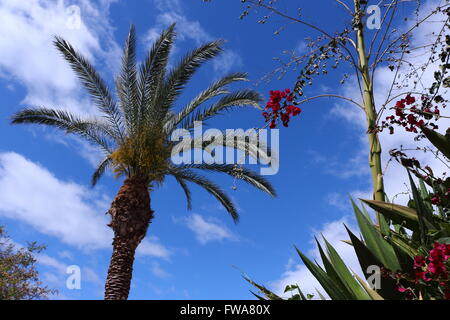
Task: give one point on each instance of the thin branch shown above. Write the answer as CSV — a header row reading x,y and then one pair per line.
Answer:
x,y
332,96
316,28
346,7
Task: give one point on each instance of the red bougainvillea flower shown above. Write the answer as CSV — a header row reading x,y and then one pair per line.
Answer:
x,y
419,262
411,116
410,100
422,275
435,200
403,289
431,272
280,108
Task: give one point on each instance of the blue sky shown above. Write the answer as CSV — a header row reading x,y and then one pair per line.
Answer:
x,y
198,254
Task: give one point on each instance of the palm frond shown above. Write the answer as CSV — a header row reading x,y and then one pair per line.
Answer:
x,y
93,130
126,83
186,190
179,77
152,73
101,169
93,83
209,186
216,89
239,98
240,173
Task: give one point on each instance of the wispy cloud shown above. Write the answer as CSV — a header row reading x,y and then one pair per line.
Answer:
x,y
28,57
151,246
189,30
207,230
353,167
342,202
68,211
159,272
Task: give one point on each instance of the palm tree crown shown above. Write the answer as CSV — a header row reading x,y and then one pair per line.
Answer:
x,y
134,132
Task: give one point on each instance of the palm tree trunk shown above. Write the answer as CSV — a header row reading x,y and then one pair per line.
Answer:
x,y
130,217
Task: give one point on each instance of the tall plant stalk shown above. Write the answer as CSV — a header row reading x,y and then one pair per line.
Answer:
x,y
369,108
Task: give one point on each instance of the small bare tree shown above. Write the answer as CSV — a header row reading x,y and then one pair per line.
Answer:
x,y
389,46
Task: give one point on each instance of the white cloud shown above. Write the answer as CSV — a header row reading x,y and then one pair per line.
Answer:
x,y
91,153
66,254
152,247
31,194
342,200
207,230
227,61
48,261
90,275
186,29
28,56
159,272
65,210
354,167
59,275
171,11
71,212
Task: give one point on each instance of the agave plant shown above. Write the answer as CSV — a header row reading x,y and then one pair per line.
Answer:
x,y
134,134
412,231
406,236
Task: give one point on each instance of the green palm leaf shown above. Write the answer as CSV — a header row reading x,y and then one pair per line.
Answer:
x,y
180,76
239,98
243,173
92,130
93,83
187,191
100,171
209,186
126,83
152,75
216,89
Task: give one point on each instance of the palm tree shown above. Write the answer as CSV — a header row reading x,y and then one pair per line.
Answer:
x,y
134,133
